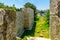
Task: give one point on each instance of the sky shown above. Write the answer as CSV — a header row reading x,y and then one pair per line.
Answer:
x,y
40,4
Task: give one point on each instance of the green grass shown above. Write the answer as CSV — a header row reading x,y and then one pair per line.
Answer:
x,y
40,29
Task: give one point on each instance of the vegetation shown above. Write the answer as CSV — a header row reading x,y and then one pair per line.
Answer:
x,y
9,7
28,4
41,11
40,27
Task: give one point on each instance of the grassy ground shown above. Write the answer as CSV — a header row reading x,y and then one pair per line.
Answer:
x,y
40,29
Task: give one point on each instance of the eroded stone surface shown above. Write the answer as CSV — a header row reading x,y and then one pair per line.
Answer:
x,y
7,24
10,19
1,36
55,19
28,17
19,23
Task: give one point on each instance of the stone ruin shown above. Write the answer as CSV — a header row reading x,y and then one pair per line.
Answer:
x,y
14,23
7,24
2,13
28,18
55,19
24,20
19,23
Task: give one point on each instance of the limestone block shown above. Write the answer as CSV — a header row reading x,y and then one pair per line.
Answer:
x,y
1,37
2,13
54,20
1,19
59,27
31,15
9,25
28,17
53,7
19,23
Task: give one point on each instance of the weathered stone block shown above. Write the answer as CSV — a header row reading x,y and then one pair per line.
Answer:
x,y
58,9
19,23
28,18
9,25
2,13
54,20
53,7
1,36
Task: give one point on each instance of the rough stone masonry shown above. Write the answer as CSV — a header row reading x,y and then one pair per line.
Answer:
x,y
28,18
7,24
19,23
24,20
55,19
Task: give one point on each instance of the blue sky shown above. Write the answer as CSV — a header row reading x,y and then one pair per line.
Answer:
x,y
40,4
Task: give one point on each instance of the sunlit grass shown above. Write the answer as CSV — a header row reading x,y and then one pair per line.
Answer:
x,y
42,29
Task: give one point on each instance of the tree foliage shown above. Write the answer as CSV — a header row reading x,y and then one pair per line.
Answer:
x,y
48,14
9,7
28,4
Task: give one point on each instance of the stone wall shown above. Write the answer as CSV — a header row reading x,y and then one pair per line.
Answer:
x,y
55,19
24,19
2,13
19,23
28,18
7,24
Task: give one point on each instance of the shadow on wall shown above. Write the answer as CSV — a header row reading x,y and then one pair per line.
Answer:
x,y
29,32
32,31
24,21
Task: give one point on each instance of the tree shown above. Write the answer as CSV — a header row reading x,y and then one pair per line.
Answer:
x,y
48,16
17,9
1,5
28,4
